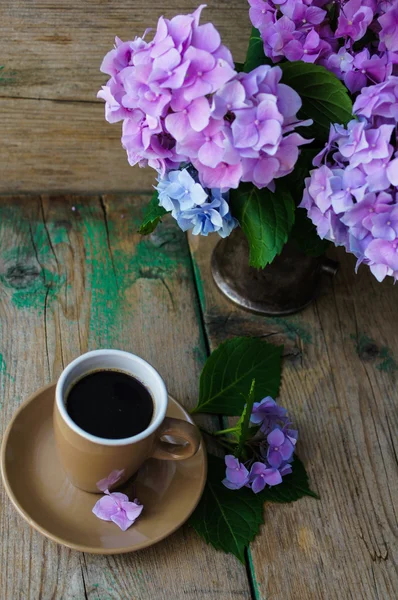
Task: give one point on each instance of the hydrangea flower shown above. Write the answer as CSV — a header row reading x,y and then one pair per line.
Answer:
x,y
202,210
262,475
181,101
280,448
351,196
275,441
117,508
178,191
325,32
267,414
163,85
236,475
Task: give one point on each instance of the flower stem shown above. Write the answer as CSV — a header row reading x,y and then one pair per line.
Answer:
x,y
222,431
223,442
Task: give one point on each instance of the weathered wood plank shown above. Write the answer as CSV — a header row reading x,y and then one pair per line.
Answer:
x,y
340,386
74,276
63,145
54,52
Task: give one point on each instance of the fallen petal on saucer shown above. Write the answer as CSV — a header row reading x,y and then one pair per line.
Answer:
x,y
121,520
107,482
105,508
116,507
132,509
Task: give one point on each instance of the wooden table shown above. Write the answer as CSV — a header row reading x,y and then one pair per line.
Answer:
x,y
75,280
75,275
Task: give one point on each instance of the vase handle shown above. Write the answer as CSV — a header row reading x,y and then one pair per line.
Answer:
x,y
330,267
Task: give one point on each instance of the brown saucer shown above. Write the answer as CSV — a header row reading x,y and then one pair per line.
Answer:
x,y
40,491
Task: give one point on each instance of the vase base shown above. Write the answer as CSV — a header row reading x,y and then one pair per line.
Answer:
x,y
283,288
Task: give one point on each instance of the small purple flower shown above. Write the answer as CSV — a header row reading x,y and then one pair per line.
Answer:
x,y
237,476
267,413
354,19
379,100
389,27
307,49
280,448
262,475
384,225
117,508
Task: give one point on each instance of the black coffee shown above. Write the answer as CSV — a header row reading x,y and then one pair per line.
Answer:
x,y
110,404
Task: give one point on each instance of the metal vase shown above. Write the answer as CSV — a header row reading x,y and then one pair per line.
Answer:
x,y
284,287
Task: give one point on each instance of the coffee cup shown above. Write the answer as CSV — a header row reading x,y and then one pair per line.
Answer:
x,y
95,463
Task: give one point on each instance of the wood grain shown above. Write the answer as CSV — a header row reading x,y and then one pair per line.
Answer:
x,y
74,276
340,385
53,132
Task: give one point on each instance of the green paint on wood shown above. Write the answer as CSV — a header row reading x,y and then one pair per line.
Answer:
x,y
41,288
199,283
255,584
369,350
292,328
113,271
3,376
388,363
32,285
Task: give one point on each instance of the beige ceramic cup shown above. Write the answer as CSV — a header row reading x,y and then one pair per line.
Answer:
x,y
94,464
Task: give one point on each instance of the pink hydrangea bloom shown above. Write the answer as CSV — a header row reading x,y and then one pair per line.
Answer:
x,y
182,102
160,88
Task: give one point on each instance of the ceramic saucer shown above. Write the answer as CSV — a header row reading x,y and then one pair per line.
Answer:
x,y
40,491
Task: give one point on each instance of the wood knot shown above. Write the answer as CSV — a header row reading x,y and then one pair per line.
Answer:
x,y
21,276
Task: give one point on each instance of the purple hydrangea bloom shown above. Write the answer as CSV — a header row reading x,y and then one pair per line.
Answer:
x,y
389,26
275,441
352,196
354,19
262,474
379,100
267,413
236,475
280,448
308,30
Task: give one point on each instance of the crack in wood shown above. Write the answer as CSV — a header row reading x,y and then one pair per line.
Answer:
x,y
48,233
108,241
56,100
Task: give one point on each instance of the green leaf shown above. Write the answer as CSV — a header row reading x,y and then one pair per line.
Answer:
x,y
255,53
305,237
229,371
239,67
325,98
303,234
295,181
227,519
243,429
266,219
293,487
153,215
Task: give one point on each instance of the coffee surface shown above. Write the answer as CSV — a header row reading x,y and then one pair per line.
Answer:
x,y
110,404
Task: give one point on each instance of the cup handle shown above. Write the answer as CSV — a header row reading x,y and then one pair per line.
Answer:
x,y
180,429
